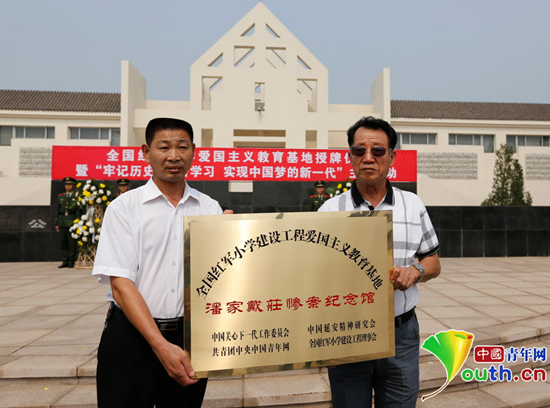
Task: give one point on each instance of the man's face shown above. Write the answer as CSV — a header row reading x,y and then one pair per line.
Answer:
x,y
170,155
123,188
69,187
320,190
368,168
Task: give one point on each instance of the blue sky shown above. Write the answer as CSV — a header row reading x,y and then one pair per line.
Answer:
x,y
472,50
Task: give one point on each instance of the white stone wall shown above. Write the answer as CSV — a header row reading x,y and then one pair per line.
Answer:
x,y
26,164
463,175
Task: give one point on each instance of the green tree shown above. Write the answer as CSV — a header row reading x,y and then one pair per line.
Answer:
x,y
508,183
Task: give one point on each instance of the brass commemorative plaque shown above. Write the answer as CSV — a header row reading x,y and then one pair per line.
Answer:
x,y
281,291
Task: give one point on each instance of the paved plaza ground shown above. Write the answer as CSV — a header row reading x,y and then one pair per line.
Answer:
x,y
51,321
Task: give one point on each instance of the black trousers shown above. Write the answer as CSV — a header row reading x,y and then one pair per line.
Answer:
x,y
68,245
130,375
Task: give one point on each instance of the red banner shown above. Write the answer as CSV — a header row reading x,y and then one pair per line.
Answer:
x,y
111,163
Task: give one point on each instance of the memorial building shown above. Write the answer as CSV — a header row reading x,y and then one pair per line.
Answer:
x,y
258,86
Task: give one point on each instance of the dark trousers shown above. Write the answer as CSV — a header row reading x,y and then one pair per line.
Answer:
x,y
130,375
68,245
395,380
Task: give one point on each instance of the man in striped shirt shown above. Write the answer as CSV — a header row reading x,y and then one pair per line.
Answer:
x,y
395,380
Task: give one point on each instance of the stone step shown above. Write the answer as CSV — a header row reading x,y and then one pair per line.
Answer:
x,y
70,379
75,365
300,391
80,361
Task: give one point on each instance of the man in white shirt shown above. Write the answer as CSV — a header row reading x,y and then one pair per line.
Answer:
x,y
141,362
395,380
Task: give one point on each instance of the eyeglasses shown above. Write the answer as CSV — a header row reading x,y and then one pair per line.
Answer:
x,y
376,151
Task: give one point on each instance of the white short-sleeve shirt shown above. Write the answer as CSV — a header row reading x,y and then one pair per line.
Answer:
x,y
142,239
413,232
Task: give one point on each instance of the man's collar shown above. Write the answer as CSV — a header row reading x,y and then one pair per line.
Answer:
x,y
358,198
152,192
190,192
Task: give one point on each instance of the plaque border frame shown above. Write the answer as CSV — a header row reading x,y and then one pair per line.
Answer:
x,y
291,366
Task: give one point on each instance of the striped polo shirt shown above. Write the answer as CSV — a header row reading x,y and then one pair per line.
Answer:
x,y
413,232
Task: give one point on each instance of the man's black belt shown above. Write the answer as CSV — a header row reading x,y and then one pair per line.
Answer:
x,y
404,318
164,325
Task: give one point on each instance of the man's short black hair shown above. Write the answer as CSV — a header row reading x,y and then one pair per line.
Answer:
x,y
372,123
157,124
